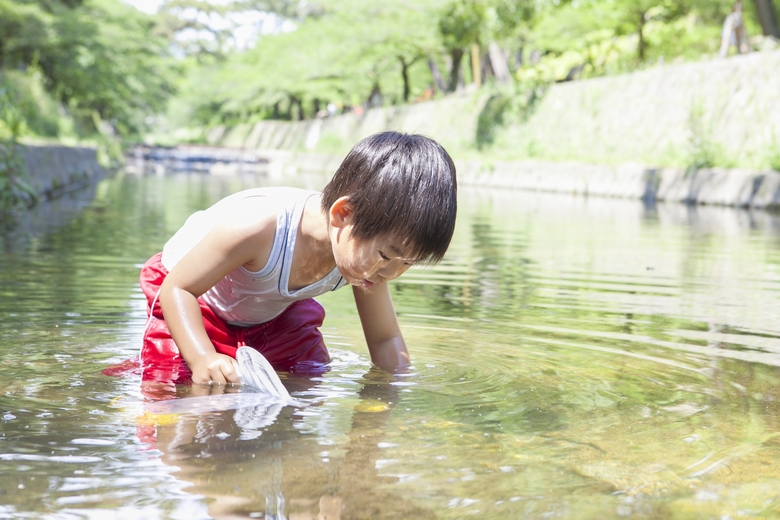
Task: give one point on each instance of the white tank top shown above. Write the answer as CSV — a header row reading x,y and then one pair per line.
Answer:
x,y
246,297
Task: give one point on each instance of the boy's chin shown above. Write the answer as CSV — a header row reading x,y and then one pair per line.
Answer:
x,y
363,284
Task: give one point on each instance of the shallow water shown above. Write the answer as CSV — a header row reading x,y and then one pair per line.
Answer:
x,y
573,358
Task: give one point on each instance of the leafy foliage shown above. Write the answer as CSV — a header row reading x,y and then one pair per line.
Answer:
x,y
111,67
101,59
350,52
15,187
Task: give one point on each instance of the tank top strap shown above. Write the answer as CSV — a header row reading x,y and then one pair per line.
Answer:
x,y
294,215
332,279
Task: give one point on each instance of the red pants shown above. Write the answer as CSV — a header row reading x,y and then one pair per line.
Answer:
x,y
291,341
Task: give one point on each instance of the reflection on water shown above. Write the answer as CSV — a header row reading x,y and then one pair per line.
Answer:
x,y
572,358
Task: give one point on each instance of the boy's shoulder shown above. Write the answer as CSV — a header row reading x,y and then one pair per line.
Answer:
x,y
257,204
278,193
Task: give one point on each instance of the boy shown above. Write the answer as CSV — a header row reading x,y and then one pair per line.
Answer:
x,y
245,271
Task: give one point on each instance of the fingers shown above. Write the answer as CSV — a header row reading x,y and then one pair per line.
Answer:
x,y
206,390
218,377
237,379
219,370
230,372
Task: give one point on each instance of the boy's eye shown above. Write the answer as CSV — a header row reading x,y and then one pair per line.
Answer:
x,y
384,257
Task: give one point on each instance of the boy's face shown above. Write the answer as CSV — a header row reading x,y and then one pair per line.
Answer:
x,y
366,263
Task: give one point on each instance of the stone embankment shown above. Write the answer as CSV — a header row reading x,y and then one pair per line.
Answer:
x,y
724,111
55,170
636,135
716,186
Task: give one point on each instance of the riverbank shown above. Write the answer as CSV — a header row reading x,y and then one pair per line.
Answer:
x,y
713,186
705,132
720,112
55,169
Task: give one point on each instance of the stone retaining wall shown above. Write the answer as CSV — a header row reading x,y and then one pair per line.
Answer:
x,y
54,169
715,186
727,109
620,134
451,120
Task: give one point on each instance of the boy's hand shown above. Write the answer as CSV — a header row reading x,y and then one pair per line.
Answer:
x,y
215,368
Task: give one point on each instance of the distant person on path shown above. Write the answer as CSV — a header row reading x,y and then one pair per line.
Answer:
x,y
733,33
245,271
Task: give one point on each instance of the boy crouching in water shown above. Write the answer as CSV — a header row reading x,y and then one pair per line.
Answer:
x,y
245,271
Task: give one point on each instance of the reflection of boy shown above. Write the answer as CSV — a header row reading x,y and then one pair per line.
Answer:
x,y
244,271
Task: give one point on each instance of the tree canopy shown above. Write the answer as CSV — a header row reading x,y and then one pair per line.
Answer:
x,y
353,53
113,68
102,60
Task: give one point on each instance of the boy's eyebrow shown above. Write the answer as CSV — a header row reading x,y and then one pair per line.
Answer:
x,y
397,251
400,254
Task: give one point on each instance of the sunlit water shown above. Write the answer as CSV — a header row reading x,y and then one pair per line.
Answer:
x,y
573,358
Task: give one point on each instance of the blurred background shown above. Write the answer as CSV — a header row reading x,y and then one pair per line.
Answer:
x,y
113,72
575,356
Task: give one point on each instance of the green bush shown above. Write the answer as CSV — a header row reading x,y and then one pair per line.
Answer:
x,y
15,187
509,104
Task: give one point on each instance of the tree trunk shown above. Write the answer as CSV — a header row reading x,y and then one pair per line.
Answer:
x,y
405,77
767,17
438,80
457,57
476,65
498,63
296,110
641,33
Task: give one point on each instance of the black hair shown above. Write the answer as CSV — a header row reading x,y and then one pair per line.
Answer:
x,y
400,185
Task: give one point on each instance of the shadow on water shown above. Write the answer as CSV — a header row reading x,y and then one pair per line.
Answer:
x,y
573,357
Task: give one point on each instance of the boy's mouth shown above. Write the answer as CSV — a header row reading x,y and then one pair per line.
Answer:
x,y
367,283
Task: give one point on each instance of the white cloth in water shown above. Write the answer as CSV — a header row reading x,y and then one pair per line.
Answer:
x,y
255,371
257,404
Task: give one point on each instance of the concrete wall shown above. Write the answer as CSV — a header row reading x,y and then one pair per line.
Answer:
x,y
634,135
451,120
653,116
714,186
54,170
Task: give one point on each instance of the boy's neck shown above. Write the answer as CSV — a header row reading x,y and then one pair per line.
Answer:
x,y
314,232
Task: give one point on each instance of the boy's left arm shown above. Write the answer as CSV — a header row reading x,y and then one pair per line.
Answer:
x,y
380,326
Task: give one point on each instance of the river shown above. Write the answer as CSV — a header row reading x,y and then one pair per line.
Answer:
x,y
572,358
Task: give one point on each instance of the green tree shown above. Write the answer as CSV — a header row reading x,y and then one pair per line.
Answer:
x,y
460,26
340,54
625,33
101,59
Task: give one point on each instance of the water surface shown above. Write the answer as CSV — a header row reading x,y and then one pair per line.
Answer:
x,y
573,358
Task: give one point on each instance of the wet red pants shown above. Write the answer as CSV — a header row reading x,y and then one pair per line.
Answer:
x,y
291,341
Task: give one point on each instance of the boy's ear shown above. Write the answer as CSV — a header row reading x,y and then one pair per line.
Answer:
x,y
340,212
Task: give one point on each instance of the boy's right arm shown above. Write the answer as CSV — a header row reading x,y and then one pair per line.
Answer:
x,y
245,237
185,322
